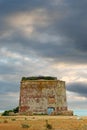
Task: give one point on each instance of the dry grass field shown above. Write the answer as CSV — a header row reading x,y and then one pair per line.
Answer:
x,y
43,123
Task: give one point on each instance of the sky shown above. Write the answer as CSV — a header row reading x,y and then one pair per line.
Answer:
x,y
43,37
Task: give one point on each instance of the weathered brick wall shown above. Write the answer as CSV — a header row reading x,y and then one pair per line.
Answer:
x,y
36,96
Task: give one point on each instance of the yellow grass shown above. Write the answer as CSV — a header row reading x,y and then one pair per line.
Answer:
x,y
39,122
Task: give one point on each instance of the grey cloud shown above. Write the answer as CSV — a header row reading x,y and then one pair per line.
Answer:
x,y
8,7
78,87
76,104
71,26
7,69
6,86
8,102
60,53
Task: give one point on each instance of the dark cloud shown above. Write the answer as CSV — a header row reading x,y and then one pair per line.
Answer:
x,y
68,23
73,25
59,53
78,87
8,7
7,69
6,86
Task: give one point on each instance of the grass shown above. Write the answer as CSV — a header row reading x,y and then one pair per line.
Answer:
x,y
42,123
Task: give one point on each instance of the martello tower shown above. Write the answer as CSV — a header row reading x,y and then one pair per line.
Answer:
x,y
42,95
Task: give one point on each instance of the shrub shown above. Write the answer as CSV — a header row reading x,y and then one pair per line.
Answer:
x,y
25,125
5,121
16,110
48,126
38,78
25,118
13,119
7,112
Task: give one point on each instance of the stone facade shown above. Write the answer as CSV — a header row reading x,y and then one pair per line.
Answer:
x,y
42,97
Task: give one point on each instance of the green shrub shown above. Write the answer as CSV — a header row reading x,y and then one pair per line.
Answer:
x,y
16,110
38,78
6,113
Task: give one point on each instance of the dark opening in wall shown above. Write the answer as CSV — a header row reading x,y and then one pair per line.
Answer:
x,y
50,110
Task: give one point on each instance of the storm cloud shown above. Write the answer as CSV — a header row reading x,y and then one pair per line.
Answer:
x,y
79,88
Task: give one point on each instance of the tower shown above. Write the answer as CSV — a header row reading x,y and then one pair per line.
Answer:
x,y
42,95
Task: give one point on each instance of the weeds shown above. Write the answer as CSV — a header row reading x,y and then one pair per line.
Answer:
x,y
25,118
48,126
5,121
25,125
13,119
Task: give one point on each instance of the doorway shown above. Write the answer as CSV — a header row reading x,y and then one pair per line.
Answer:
x,y
50,110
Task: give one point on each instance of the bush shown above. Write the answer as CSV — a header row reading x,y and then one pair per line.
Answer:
x,y
38,78
25,125
48,126
16,110
13,119
6,113
5,121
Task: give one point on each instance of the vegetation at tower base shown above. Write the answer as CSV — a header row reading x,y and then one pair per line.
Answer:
x,y
11,112
38,78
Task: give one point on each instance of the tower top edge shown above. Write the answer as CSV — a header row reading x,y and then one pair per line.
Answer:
x,y
40,79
